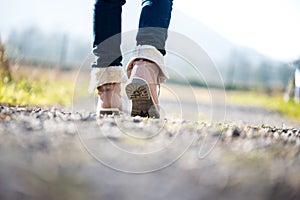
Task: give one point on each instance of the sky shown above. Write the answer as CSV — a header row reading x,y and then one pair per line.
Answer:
x,y
272,27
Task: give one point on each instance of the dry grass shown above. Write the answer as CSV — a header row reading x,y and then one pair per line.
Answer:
x,y
38,86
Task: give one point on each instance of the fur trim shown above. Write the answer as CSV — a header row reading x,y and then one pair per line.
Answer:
x,y
101,76
150,53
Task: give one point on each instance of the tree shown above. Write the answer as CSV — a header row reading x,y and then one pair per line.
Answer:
x,y
4,65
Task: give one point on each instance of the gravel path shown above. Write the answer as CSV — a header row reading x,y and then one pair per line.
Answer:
x,y
57,154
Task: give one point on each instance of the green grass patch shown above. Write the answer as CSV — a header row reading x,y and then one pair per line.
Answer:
x,y
21,91
260,99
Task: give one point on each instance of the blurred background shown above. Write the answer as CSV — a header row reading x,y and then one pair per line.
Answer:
x,y
254,44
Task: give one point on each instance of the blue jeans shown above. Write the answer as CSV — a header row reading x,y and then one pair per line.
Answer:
x,y
154,18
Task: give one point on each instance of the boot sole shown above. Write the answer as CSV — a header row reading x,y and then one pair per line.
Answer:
x,y
142,104
109,111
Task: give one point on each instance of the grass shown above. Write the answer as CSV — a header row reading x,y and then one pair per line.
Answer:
x,y
274,102
22,91
41,86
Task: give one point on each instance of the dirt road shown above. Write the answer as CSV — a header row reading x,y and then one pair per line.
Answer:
x,y
62,154
202,104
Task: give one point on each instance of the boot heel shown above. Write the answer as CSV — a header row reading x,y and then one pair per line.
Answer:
x,y
138,91
109,111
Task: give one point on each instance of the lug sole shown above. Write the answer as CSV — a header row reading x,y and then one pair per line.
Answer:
x,y
142,104
109,111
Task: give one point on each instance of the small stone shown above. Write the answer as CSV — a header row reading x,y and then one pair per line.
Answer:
x,y
113,123
137,119
236,133
216,134
284,130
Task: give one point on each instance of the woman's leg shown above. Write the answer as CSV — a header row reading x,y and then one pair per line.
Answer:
x,y
107,73
154,23
107,32
146,68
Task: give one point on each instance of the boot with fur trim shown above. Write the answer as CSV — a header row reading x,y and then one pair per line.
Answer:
x,y
107,81
146,71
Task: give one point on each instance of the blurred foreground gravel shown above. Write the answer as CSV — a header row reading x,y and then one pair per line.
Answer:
x,y
57,154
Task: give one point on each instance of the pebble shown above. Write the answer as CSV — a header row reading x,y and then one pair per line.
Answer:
x,y
236,133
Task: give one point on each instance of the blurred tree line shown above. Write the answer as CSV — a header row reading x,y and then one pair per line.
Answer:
x,y
239,71
242,73
58,49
